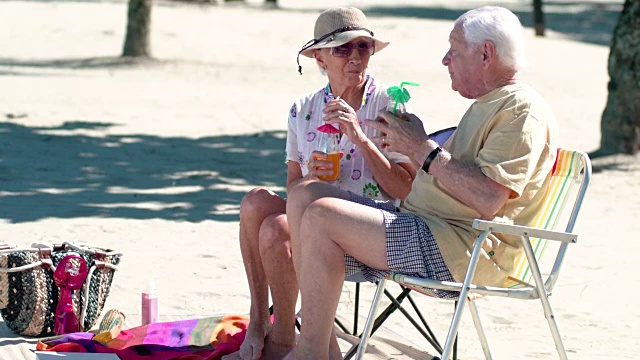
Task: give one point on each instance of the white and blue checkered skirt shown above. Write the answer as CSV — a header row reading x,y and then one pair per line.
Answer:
x,y
411,248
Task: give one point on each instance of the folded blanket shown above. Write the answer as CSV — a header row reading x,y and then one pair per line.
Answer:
x,y
195,339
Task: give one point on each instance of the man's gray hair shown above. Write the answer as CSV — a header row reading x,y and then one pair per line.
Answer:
x,y
498,25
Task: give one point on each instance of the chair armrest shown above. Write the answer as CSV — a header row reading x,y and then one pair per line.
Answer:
x,y
492,226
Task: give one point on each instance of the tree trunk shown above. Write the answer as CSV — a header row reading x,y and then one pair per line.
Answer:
x,y
620,126
538,17
136,42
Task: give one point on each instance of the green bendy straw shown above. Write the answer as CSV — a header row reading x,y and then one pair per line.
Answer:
x,y
399,94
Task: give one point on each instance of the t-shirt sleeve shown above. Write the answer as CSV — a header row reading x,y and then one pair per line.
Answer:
x,y
292,150
512,149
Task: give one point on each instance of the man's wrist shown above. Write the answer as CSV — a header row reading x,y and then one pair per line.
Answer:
x,y
430,158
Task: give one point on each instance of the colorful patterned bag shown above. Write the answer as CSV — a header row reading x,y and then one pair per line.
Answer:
x,y
29,296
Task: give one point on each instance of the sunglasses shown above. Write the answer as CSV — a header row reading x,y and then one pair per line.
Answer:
x,y
365,48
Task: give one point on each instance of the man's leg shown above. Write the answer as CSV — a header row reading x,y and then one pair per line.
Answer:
x,y
256,206
275,251
328,228
306,193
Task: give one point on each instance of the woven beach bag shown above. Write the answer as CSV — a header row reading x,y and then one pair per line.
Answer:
x,y
29,295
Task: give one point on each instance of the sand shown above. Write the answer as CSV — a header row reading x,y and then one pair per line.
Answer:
x,y
153,157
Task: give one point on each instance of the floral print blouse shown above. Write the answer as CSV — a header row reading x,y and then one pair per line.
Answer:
x,y
302,138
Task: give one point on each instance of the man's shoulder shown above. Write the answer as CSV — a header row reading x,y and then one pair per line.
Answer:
x,y
524,92
525,103
522,97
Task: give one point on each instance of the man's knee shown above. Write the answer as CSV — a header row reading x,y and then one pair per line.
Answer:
x,y
305,192
318,214
274,234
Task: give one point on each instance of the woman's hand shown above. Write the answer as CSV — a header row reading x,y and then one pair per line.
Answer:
x,y
340,113
318,165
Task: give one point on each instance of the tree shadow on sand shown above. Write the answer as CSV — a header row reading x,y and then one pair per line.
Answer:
x,y
580,21
602,162
18,67
63,172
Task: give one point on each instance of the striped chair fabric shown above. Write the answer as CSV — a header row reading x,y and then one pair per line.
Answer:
x,y
564,181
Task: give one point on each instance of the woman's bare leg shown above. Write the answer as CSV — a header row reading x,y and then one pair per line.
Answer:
x,y
275,251
256,206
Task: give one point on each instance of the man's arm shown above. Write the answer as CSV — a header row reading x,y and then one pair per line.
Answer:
x,y
465,182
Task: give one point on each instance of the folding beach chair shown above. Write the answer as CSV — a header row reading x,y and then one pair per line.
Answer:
x,y
570,179
440,136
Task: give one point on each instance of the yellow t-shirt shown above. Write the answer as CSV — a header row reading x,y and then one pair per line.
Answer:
x,y
511,134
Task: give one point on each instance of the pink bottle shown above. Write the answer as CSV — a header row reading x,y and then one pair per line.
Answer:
x,y
150,304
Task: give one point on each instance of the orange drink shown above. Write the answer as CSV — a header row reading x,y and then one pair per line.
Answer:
x,y
335,159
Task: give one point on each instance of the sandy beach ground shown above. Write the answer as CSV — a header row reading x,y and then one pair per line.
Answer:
x,y
153,157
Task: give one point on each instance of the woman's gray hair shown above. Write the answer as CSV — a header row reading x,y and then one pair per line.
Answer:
x,y
501,27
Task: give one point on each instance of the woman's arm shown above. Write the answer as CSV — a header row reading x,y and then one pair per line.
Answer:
x,y
394,178
294,173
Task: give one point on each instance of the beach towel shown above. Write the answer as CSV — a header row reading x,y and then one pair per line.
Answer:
x,y
195,339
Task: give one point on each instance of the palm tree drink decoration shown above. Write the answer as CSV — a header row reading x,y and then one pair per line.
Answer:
x,y
398,98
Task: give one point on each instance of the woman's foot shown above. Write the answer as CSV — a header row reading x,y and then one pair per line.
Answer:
x,y
252,346
276,350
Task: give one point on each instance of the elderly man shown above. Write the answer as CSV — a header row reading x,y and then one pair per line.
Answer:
x,y
497,164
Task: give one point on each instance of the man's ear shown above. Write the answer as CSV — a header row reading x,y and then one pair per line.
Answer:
x,y
488,53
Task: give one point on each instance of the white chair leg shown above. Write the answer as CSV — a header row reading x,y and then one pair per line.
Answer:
x,y
366,332
544,299
453,331
480,329
553,326
462,300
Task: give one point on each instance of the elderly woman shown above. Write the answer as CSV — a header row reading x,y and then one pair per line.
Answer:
x,y
342,47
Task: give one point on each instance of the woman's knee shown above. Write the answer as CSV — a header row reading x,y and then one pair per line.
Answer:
x,y
260,203
274,234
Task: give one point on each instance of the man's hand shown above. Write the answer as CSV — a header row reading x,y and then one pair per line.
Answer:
x,y
406,136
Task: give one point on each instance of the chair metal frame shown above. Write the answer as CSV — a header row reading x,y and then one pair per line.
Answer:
x,y
541,289
396,304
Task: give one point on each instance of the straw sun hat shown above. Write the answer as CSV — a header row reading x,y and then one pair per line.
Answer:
x,y
338,26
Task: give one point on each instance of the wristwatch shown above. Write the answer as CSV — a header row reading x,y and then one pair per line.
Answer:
x,y
430,158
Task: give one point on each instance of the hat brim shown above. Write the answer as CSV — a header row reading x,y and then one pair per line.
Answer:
x,y
343,38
